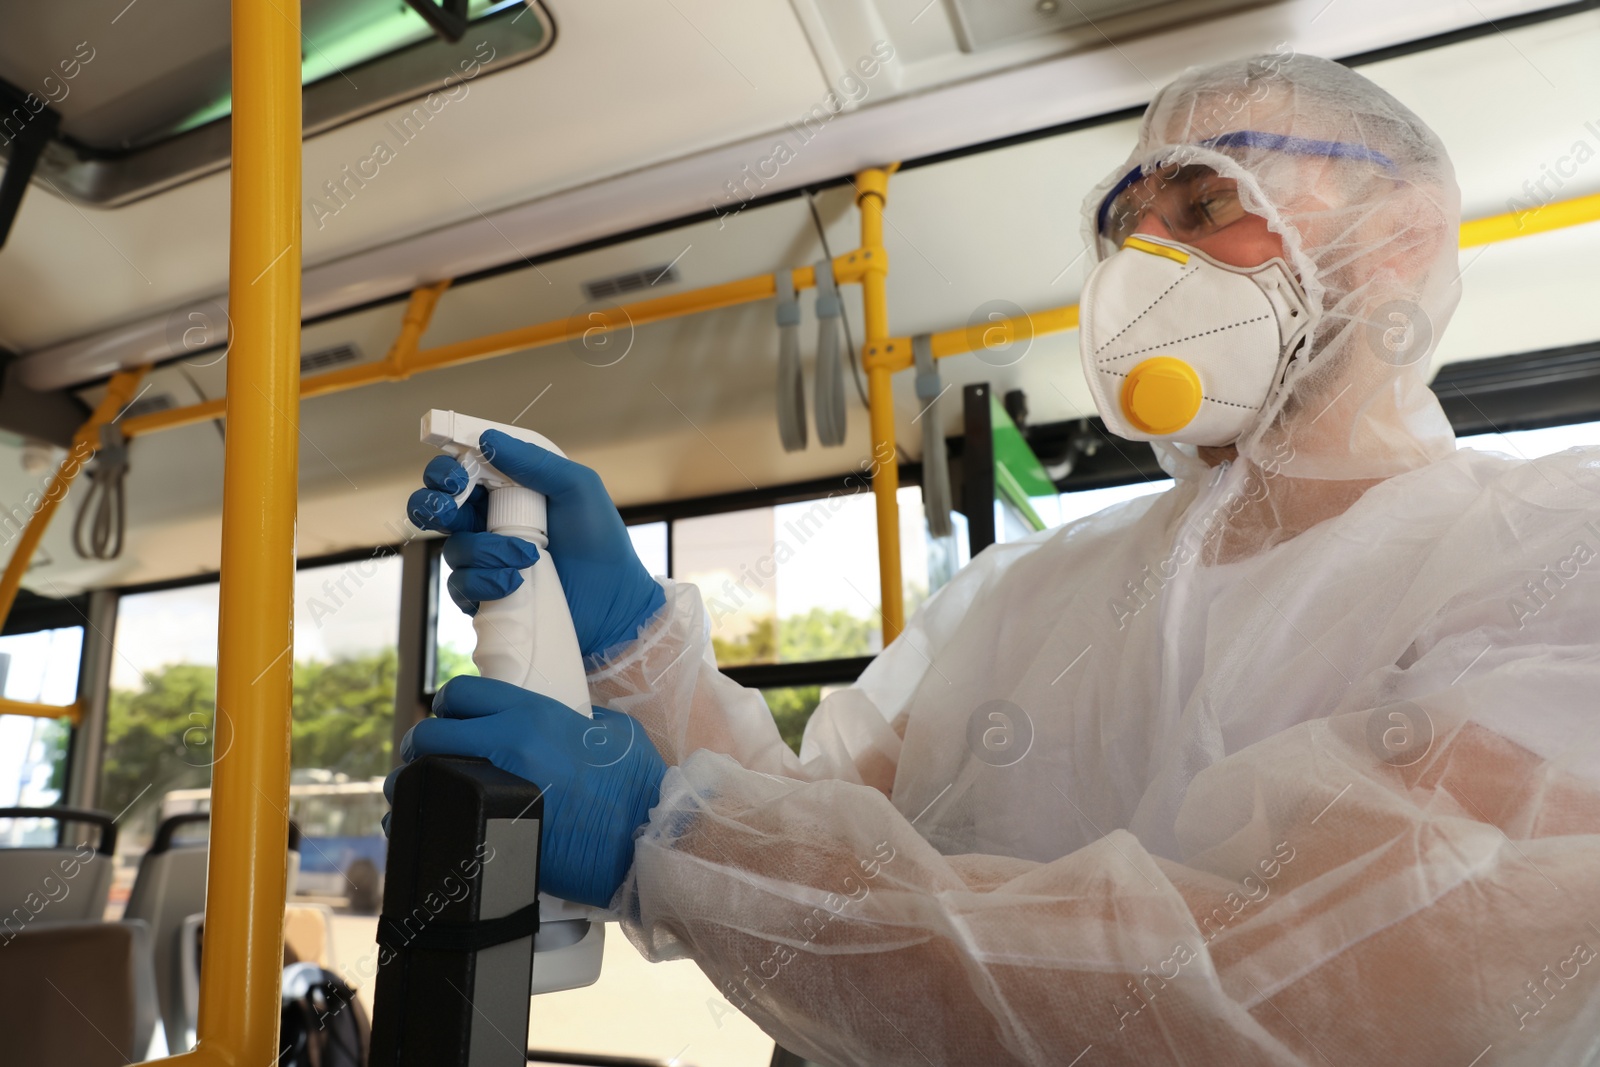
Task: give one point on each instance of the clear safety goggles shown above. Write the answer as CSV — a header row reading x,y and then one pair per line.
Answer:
x,y
1192,200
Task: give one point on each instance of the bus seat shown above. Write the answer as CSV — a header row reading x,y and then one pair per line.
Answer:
x,y
54,976
170,887
308,935
65,882
189,982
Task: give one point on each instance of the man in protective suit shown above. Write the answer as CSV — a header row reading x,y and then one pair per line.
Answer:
x,y
1295,763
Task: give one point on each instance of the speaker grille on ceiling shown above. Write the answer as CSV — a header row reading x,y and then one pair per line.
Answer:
x,y
324,358
631,282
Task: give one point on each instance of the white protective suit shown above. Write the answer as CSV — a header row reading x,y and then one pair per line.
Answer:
x,y
1296,763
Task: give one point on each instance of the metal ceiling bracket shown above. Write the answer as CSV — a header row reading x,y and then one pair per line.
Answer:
x,y
26,127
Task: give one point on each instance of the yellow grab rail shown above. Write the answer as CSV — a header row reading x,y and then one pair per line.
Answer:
x,y
603,319
1539,218
404,358
247,875
895,354
73,711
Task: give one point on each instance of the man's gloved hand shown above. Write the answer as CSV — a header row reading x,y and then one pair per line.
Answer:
x,y
608,590
600,776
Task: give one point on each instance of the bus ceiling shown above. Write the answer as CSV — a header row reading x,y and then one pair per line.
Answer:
x,y
983,81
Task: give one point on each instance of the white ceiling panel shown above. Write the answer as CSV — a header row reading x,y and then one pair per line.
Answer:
x,y
1511,107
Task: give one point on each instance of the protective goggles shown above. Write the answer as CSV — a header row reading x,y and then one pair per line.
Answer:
x,y
1193,201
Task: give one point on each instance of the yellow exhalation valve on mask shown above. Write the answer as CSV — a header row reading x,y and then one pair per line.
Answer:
x,y
1179,347
1161,396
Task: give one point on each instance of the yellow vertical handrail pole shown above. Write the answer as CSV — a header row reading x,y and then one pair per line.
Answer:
x,y
247,875
872,190
118,395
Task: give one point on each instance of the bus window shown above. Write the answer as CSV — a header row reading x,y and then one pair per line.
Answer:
x,y
346,619
453,635
1531,444
650,544
342,846
792,707
39,667
346,615
1081,502
797,582
159,749
159,719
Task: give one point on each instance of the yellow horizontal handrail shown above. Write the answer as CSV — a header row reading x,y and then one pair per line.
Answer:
x,y
895,353
404,359
1540,218
73,711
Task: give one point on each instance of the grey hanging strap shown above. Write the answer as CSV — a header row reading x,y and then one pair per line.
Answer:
x,y
98,530
791,381
935,458
829,389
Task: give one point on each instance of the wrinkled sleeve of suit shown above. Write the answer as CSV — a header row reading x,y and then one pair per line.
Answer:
x,y
1334,904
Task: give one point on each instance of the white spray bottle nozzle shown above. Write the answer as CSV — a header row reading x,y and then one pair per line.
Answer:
x,y
460,435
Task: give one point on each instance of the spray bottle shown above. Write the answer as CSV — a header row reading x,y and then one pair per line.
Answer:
x,y
528,639
464,823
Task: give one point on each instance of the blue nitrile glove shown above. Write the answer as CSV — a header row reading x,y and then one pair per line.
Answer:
x,y
609,592
600,776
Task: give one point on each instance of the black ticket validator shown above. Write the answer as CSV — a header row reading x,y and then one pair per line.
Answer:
x,y
460,912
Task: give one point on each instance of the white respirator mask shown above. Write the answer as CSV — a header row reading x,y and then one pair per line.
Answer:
x,y
1180,347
